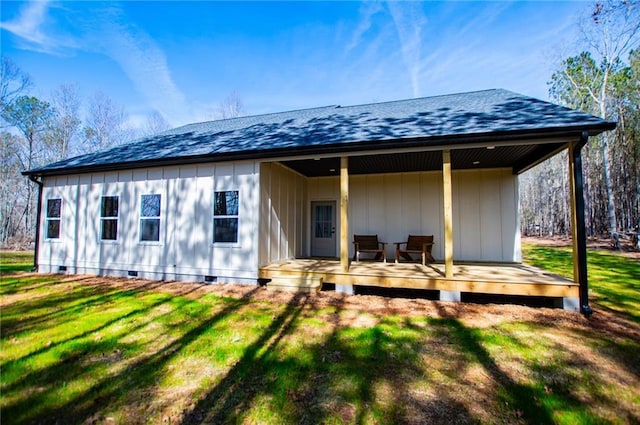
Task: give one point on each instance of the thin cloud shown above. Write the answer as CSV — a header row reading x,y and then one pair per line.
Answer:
x,y
143,61
367,11
105,31
409,20
28,26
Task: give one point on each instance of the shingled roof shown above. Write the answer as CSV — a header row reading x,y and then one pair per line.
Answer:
x,y
458,119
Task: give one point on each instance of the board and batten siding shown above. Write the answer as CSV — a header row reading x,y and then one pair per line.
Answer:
x,y
485,210
283,214
185,250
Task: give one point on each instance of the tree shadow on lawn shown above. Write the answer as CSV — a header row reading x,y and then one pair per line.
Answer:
x,y
565,383
58,307
378,371
517,400
23,282
119,317
107,389
351,375
234,393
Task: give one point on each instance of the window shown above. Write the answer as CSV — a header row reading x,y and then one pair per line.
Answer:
x,y
225,216
109,218
54,207
324,227
150,218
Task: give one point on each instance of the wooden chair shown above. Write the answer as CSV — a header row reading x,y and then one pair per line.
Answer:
x,y
369,244
416,245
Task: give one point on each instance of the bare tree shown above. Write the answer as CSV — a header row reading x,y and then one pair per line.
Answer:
x,y
65,124
155,124
13,83
104,125
230,107
12,188
31,117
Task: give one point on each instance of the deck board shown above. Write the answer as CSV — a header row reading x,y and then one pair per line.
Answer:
x,y
498,278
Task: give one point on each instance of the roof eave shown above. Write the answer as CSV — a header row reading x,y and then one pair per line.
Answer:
x,y
561,133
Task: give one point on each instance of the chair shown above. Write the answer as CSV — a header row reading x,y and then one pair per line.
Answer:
x,y
416,245
369,244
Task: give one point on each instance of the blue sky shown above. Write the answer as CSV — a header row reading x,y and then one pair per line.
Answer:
x,y
183,58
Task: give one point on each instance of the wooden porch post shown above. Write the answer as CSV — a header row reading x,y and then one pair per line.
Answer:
x,y
344,213
448,214
578,230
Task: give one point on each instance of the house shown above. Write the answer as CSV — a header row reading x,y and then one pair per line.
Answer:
x,y
280,196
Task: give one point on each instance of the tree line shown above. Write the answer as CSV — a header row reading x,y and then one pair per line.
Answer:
x,y
603,80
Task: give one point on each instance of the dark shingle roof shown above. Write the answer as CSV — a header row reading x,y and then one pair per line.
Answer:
x,y
450,119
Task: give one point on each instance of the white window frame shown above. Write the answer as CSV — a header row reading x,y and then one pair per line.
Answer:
x,y
115,218
49,219
226,216
142,218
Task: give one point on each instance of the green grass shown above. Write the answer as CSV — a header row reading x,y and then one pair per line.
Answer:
x,y
614,280
15,261
74,350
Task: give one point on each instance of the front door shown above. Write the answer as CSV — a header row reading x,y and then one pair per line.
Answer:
x,y
323,233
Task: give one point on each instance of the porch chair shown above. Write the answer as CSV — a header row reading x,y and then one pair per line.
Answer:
x,y
369,244
416,245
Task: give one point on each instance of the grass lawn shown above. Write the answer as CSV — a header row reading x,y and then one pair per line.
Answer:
x,y
15,261
80,349
613,279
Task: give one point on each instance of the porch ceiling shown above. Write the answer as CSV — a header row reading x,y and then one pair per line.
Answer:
x,y
518,158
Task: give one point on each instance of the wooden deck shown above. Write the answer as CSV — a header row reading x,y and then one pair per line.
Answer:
x,y
507,279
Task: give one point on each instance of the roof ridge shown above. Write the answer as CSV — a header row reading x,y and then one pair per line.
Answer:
x,y
256,116
431,97
358,105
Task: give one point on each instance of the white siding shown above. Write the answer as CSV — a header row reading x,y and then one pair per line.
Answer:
x,y
274,217
283,214
485,210
185,250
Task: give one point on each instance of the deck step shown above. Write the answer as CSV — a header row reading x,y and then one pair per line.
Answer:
x,y
304,284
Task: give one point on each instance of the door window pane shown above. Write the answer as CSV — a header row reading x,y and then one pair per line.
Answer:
x,y
324,221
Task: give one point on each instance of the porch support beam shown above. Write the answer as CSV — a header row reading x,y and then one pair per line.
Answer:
x,y
344,214
448,213
578,224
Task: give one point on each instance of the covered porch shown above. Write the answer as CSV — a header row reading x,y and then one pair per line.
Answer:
x,y
472,211
444,169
